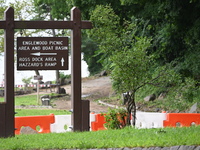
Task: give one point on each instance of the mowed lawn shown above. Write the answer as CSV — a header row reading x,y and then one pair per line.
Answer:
x,y
35,110
128,137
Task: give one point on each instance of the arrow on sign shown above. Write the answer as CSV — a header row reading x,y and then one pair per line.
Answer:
x,y
62,61
40,54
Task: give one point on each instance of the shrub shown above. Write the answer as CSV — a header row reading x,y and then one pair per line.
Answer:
x,y
115,118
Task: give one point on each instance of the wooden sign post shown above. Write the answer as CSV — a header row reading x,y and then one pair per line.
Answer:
x,y
80,115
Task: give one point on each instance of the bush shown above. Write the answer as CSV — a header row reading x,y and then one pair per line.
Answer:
x,y
115,119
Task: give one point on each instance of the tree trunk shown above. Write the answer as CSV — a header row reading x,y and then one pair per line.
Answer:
x,y
37,72
131,107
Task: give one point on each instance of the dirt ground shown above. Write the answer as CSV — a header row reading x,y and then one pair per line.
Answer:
x,y
92,89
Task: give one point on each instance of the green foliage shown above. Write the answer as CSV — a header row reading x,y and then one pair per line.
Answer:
x,y
189,67
87,6
1,45
115,118
58,10
174,28
27,80
120,49
105,33
89,47
188,90
174,35
131,66
179,93
24,10
2,9
178,88
64,76
167,32
53,94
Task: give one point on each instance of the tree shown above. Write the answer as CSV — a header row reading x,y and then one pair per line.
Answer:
x,y
26,81
24,11
52,10
89,48
123,52
174,28
87,7
130,72
58,10
105,33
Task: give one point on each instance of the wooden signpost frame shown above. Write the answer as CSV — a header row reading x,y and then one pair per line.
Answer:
x,y
80,114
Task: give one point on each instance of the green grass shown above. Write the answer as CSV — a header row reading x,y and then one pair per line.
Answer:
x,y
40,112
26,100
1,99
127,137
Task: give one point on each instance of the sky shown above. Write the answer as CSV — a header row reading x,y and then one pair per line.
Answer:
x,y
7,1
47,75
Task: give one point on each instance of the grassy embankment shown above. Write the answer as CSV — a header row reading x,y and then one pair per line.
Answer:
x,y
127,137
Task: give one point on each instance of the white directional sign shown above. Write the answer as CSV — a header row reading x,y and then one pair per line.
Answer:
x,y
38,77
42,53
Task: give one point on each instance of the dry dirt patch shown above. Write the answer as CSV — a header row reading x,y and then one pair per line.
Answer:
x,y
94,89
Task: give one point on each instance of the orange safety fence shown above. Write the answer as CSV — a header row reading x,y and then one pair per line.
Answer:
x,y
181,120
99,123
40,122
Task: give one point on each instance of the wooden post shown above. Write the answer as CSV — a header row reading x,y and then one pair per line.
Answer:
x,y
85,115
7,109
76,70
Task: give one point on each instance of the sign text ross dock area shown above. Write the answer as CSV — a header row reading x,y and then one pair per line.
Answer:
x,y
42,53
